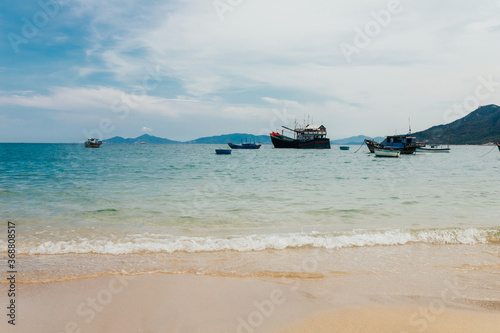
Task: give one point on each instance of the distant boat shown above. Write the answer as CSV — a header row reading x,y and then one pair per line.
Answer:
x,y
384,152
344,147
223,151
245,145
143,143
93,143
433,149
309,137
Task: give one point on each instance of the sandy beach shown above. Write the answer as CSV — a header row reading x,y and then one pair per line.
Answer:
x,y
191,303
421,295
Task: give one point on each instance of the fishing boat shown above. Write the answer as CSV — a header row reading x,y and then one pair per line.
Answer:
x,y
223,151
433,149
405,143
384,152
245,145
307,137
93,143
344,147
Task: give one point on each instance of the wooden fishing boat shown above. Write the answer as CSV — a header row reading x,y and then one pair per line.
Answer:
x,y
384,152
406,143
307,137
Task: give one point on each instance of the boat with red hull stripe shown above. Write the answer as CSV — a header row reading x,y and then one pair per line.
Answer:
x,y
308,137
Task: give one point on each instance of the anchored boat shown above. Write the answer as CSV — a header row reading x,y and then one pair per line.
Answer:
x,y
384,152
223,151
309,137
405,143
93,143
245,145
433,149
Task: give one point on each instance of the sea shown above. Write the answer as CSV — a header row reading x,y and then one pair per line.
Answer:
x,y
141,209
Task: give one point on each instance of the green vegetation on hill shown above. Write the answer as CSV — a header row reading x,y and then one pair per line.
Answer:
x,y
478,127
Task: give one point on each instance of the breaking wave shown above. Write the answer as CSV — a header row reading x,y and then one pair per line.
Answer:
x,y
156,243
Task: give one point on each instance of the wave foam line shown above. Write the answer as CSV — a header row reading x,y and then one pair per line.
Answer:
x,y
155,243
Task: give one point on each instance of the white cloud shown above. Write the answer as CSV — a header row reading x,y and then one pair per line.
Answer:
x,y
146,129
426,59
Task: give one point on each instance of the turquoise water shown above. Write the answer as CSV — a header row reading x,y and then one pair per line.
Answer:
x,y
121,199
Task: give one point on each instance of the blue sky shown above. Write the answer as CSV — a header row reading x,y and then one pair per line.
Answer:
x,y
187,69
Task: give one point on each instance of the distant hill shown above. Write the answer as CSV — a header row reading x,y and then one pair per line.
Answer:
x,y
234,138
143,138
219,139
354,140
478,127
225,138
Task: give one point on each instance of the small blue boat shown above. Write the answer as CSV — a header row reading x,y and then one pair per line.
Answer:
x,y
344,147
222,151
244,145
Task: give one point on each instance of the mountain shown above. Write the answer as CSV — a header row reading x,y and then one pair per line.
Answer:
x,y
234,138
354,140
478,127
219,139
143,138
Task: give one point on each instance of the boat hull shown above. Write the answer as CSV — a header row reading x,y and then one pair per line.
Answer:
x,y
223,151
92,145
244,146
281,141
433,150
386,152
408,150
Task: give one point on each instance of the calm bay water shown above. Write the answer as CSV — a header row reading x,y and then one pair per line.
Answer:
x,y
125,199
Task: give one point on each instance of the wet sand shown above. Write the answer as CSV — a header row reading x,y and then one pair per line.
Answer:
x,y
381,289
194,303
397,319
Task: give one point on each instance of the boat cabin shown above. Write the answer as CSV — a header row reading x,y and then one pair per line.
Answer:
x,y
400,140
311,132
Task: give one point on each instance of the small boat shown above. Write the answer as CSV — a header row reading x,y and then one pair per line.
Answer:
x,y
93,143
223,151
384,152
244,145
433,149
344,147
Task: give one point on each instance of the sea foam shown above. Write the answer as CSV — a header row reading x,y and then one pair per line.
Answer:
x,y
156,243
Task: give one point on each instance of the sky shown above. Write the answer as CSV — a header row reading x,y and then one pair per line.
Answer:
x,y
181,70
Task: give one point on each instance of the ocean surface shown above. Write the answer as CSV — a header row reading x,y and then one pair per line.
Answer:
x,y
151,207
